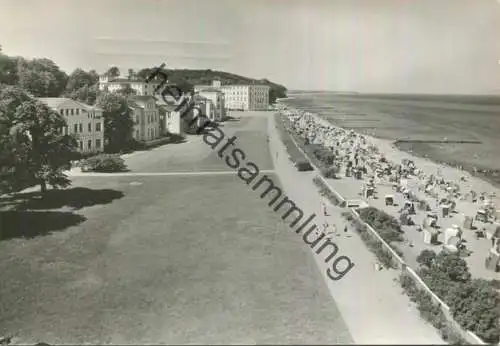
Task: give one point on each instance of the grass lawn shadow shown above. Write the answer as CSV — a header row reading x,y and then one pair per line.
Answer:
x,y
76,198
30,224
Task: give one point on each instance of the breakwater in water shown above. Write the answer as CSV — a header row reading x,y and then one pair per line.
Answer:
x,y
442,141
474,121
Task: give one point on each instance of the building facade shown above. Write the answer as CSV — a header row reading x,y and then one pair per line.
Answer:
x,y
141,87
217,98
85,122
146,118
241,96
246,97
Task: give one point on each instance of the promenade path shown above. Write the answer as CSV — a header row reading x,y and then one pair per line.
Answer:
x,y
371,302
172,257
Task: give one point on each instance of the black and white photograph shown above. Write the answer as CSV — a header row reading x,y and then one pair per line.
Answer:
x,y
249,172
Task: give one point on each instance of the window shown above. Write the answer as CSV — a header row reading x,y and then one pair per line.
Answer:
x,y
77,111
81,127
89,127
81,145
67,111
98,127
72,111
75,128
98,144
65,130
89,144
61,111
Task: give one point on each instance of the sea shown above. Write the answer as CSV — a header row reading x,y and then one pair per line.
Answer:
x,y
430,126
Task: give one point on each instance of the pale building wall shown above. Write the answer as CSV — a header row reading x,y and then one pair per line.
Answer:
x,y
217,98
85,122
141,87
146,120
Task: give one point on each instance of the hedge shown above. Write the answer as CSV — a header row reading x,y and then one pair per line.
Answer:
x,y
295,154
386,225
106,163
373,244
325,191
430,311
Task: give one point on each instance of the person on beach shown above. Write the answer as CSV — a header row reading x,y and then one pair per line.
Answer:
x,y
325,227
325,211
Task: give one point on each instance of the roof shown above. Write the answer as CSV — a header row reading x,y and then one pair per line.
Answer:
x,y
126,80
56,102
231,85
198,97
168,107
210,89
144,98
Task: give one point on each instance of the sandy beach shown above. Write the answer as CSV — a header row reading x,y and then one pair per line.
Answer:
x,y
436,184
420,117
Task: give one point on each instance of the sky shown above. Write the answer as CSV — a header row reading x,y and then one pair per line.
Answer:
x,y
393,46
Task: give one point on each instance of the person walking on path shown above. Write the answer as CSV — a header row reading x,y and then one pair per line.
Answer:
x,y
323,206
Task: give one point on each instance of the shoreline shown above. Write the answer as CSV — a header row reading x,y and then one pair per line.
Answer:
x,y
449,170
486,175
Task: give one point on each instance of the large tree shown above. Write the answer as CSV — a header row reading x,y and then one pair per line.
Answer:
x,y
8,69
131,73
41,77
86,94
475,305
126,90
80,78
113,72
32,131
118,123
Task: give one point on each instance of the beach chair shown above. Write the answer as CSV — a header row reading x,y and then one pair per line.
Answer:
x,y
481,216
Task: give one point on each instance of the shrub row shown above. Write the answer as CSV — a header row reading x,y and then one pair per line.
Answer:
x,y
372,243
387,226
474,303
322,157
297,157
430,311
105,163
325,191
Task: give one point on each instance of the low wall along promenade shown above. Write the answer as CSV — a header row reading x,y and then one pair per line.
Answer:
x,y
398,262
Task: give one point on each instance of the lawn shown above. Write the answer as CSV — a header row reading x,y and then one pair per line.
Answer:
x,y
193,259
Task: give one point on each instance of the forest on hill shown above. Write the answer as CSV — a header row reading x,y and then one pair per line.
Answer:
x,y
43,78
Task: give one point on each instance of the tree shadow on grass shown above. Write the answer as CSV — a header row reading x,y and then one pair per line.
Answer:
x,y
76,198
30,224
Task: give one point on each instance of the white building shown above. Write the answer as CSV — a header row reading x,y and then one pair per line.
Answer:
x,y
139,85
217,98
85,122
241,96
246,97
146,118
